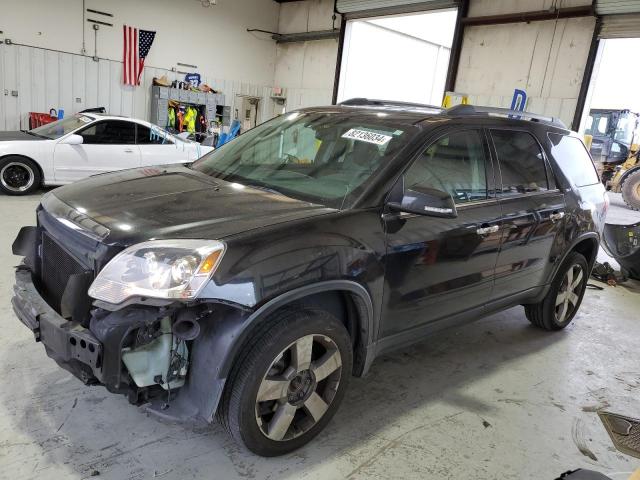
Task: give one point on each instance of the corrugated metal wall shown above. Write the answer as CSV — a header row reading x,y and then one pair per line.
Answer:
x,y
613,7
45,79
620,26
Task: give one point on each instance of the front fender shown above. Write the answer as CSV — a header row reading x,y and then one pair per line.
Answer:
x,y
264,269
220,343
40,151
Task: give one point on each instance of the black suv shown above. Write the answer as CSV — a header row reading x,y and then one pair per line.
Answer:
x,y
251,284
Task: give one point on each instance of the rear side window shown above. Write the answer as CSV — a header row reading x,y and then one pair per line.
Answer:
x,y
573,159
146,136
521,162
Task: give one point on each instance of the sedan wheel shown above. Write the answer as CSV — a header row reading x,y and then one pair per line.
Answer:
x,y
298,387
17,176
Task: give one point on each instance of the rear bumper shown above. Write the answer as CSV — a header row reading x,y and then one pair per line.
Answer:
x,y
70,344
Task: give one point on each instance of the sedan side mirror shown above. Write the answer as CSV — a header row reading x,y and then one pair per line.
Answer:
x,y
73,139
426,201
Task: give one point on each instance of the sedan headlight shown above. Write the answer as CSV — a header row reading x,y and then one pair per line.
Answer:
x,y
170,269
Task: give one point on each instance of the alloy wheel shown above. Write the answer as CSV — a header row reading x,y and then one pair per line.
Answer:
x,y
17,177
298,387
569,293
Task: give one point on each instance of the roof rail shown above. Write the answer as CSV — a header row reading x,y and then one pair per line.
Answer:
x,y
363,102
479,110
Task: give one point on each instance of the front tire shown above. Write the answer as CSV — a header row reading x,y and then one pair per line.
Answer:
x,y
630,189
289,383
560,305
19,175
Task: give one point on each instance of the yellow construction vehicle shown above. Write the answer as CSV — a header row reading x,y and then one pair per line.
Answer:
x,y
626,178
613,137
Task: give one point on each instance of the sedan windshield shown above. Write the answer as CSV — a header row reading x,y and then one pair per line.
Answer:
x,y
325,158
62,127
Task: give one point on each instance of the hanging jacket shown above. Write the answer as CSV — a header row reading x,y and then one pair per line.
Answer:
x,y
190,117
180,117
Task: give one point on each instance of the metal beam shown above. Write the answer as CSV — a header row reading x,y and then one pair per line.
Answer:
x,y
536,16
305,36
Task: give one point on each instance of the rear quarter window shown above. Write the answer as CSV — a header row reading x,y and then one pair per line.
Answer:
x,y
573,159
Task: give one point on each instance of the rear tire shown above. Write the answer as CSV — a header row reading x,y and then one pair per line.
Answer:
x,y
630,189
19,175
289,382
560,305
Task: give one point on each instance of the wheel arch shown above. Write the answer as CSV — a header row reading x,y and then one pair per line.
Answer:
x,y
587,245
224,335
349,301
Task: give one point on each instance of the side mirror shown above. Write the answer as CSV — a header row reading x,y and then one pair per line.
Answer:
x,y
73,139
426,201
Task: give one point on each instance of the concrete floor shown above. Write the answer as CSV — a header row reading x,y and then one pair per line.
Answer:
x,y
496,399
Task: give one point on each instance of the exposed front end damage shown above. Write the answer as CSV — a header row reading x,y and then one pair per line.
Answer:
x,y
151,351
167,358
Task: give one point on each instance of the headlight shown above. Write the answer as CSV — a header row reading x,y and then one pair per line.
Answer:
x,y
160,269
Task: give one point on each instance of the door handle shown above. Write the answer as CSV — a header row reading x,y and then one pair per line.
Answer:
x,y
128,150
487,230
555,216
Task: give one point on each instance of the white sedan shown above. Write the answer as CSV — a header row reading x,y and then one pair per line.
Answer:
x,y
86,144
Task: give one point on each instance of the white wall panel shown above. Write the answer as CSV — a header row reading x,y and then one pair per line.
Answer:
x,y
215,39
546,59
11,107
3,91
51,78
306,70
38,81
25,77
47,79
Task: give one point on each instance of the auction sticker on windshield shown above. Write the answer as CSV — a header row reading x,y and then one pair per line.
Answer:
x,y
366,136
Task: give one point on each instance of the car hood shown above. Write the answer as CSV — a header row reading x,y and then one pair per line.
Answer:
x,y
177,202
22,136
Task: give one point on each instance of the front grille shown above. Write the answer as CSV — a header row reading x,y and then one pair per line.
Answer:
x,y
57,268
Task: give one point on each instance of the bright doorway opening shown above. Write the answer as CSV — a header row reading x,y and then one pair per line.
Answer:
x,y
400,57
611,119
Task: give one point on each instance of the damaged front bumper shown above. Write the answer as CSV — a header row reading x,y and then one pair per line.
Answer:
x,y
71,345
98,354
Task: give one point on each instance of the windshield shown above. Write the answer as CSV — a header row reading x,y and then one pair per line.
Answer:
x,y
325,158
62,127
626,128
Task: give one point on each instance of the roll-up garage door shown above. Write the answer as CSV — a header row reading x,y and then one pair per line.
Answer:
x,y
620,18
620,26
615,7
364,8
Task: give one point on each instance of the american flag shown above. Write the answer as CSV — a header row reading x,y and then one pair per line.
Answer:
x,y
137,44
